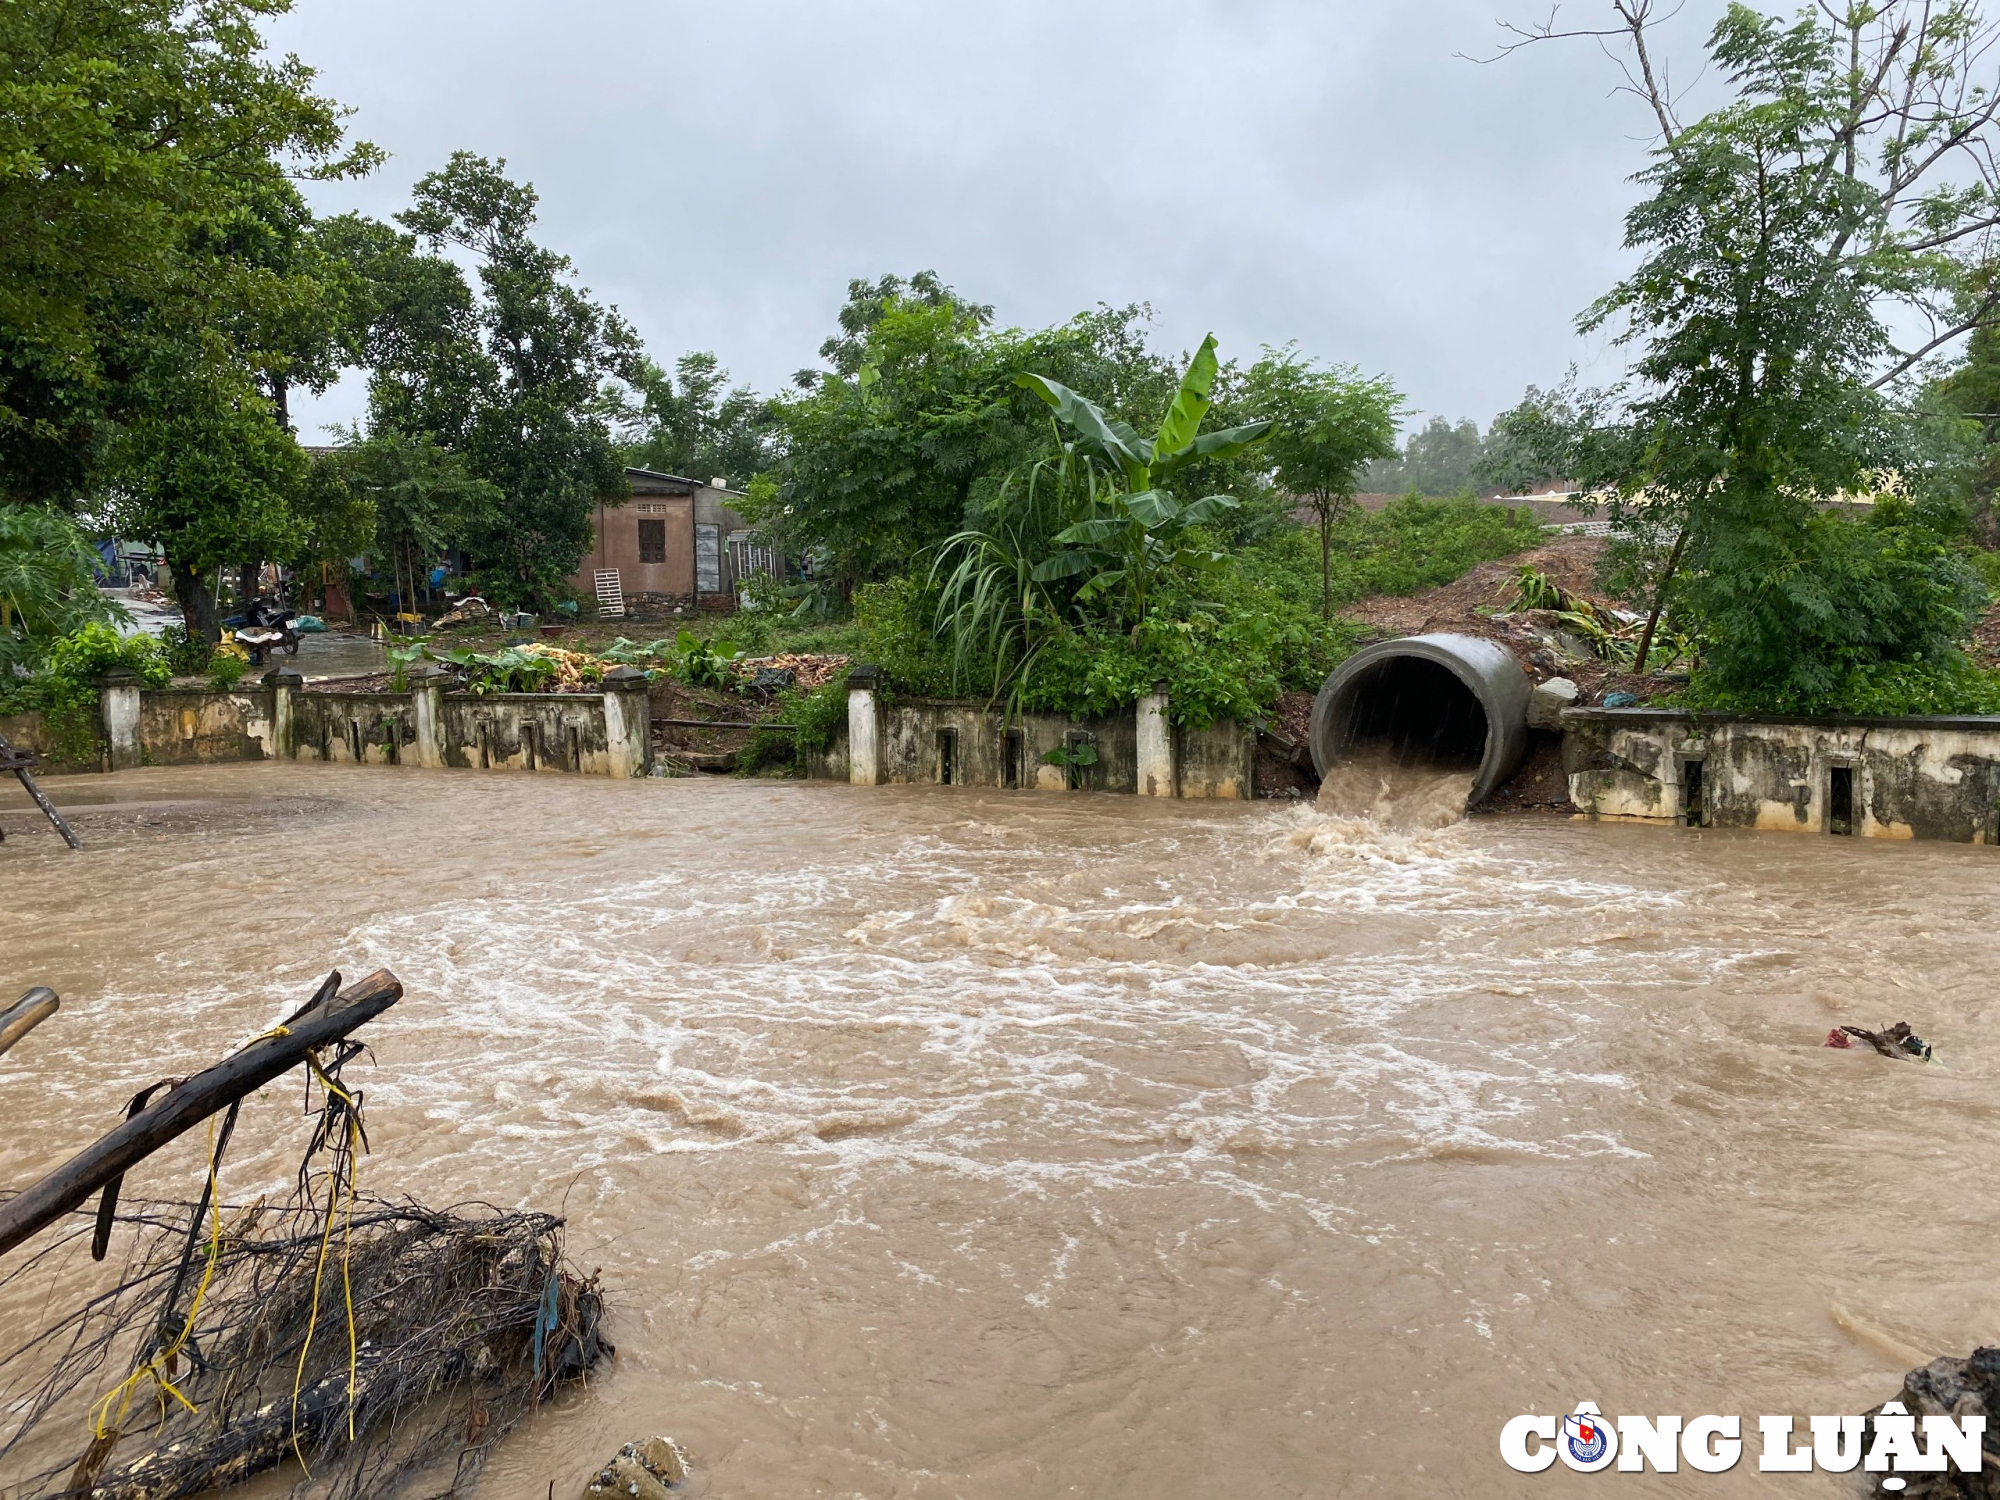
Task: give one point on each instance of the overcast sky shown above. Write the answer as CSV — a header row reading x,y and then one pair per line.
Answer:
x,y
1320,170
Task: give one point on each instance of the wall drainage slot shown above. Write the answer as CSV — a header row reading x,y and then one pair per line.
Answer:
x,y
1840,800
947,757
1694,812
1012,752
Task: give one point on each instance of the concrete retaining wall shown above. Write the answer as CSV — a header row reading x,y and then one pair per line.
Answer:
x,y
592,734
192,726
1917,778
933,741
31,732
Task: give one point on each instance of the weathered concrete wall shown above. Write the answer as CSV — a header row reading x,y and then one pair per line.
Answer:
x,y
31,732
369,729
1219,761
1923,778
192,726
920,738
527,732
594,734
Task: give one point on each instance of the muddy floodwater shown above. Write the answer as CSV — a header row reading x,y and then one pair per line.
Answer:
x,y
940,1143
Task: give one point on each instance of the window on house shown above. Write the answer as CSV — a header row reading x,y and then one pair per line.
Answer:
x,y
652,541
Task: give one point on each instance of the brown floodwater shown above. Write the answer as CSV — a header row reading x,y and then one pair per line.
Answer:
x,y
943,1143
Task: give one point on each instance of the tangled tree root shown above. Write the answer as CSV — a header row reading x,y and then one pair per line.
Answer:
x,y
461,1321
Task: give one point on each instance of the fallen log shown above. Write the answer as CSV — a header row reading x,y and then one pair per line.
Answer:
x,y
192,1101
25,1014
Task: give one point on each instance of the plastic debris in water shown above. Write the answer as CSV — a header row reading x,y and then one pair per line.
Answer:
x,y
1892,1041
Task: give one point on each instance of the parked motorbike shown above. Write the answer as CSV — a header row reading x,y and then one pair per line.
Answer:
x,y
267,628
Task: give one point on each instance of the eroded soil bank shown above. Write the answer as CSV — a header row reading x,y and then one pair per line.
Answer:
x,y
937,1143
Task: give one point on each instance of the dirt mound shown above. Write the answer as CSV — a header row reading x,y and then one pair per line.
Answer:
x,y
1571,562
1482,604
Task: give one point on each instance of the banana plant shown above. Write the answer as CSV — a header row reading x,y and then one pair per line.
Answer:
x,y
1124,550
1148,463
1130,539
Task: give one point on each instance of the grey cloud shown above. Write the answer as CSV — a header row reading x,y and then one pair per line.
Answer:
x,y
1270,169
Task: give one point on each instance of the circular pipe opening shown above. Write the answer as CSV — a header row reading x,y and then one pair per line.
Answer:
x,y
1435,702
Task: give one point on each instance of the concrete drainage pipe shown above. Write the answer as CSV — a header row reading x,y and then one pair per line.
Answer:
x,y
1450,701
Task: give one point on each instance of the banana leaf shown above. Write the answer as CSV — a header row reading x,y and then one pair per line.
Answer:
x,y
1112,441
1207,508
1152,508
1190,403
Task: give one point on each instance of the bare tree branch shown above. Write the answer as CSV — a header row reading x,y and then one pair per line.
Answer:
x,y
1984,318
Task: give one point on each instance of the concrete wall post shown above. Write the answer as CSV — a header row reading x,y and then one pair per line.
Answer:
x,y
1156,745
628,723
283,684
427,680
118,700
864,727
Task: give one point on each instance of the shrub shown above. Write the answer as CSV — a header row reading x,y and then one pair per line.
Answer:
x,y
66,688
818,716
186,655
225,670
1819,614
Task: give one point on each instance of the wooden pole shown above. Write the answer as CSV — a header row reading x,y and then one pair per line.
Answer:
x,y
18,762
25,1014
186,1105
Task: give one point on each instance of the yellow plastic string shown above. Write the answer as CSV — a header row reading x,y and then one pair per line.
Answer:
x,y
123,1392
333,1203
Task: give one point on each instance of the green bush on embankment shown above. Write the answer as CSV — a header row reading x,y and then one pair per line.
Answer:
x,y
1226,640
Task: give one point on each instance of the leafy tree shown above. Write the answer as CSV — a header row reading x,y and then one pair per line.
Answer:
x,y
695,424
1844,190
1440,458
1101,533
1137,531
332,524
48,583
421,496
202,466
130,134
214,371
1526,441
510,377
1330,423
911,433
1972,389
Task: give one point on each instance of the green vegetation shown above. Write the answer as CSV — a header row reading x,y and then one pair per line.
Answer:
x,y
65,690
48,585
226,670
1782,238
1057,518
1327,423
1226,640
